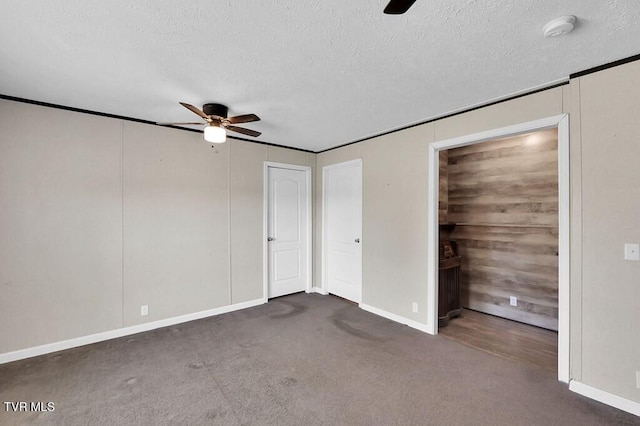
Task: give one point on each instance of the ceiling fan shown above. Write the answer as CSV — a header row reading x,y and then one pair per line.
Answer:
x,y
398,7
216,122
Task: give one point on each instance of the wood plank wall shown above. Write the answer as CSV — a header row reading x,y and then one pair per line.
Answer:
x,y
503,196
443,190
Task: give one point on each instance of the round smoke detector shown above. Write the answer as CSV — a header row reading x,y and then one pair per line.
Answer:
x,y
559,26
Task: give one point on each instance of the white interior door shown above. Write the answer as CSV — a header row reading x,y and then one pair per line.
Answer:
x,y
287,230
342,225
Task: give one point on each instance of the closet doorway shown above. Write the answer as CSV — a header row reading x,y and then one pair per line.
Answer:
x,y
503,196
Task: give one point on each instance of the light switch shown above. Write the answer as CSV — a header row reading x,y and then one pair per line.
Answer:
x,y
632,251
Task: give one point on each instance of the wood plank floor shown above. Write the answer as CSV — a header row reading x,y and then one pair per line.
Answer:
x,y
505,338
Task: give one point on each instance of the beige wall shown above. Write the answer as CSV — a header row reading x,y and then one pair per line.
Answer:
x,y
609,296
246,219
176,215
60,225
521,110
100,216
394,222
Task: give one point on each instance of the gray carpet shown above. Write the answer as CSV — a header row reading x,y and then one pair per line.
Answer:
x,y
300,360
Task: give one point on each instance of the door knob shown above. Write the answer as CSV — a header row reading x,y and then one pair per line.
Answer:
x,y
357,240
271,239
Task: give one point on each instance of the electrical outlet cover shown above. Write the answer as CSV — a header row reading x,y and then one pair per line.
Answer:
x,y
513,301
632,252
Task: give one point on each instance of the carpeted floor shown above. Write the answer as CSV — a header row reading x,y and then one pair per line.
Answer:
x,y
303,359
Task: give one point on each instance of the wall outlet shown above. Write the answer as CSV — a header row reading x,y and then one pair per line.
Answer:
x,y
144,310
638,379
513,300
414,307
632,252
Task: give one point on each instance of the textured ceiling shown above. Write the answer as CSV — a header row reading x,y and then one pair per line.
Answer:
x,y
318,73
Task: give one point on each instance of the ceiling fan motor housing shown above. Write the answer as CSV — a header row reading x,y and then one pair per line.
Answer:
x,y
215,109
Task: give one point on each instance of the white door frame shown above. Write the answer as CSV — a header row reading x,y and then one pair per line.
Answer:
x,y
561,122
265,224
323,275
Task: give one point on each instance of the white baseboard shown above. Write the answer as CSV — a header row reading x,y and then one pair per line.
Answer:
x,y
605,397
318,290
394,317
120,332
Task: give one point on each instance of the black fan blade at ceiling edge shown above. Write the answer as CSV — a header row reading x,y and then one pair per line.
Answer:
x,y
398,7
244,131
247,118
182,124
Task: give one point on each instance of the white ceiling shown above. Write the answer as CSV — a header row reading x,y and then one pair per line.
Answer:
x,y
319,73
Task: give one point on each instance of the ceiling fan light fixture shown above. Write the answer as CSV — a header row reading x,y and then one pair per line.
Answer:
x,y
215,134
217,123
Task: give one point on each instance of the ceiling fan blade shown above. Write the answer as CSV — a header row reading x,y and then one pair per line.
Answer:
x,y
195,110
180,124
247,118
398,7
244,131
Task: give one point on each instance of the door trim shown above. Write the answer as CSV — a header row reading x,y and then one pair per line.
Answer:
x,y
324,289
561,122
265,224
